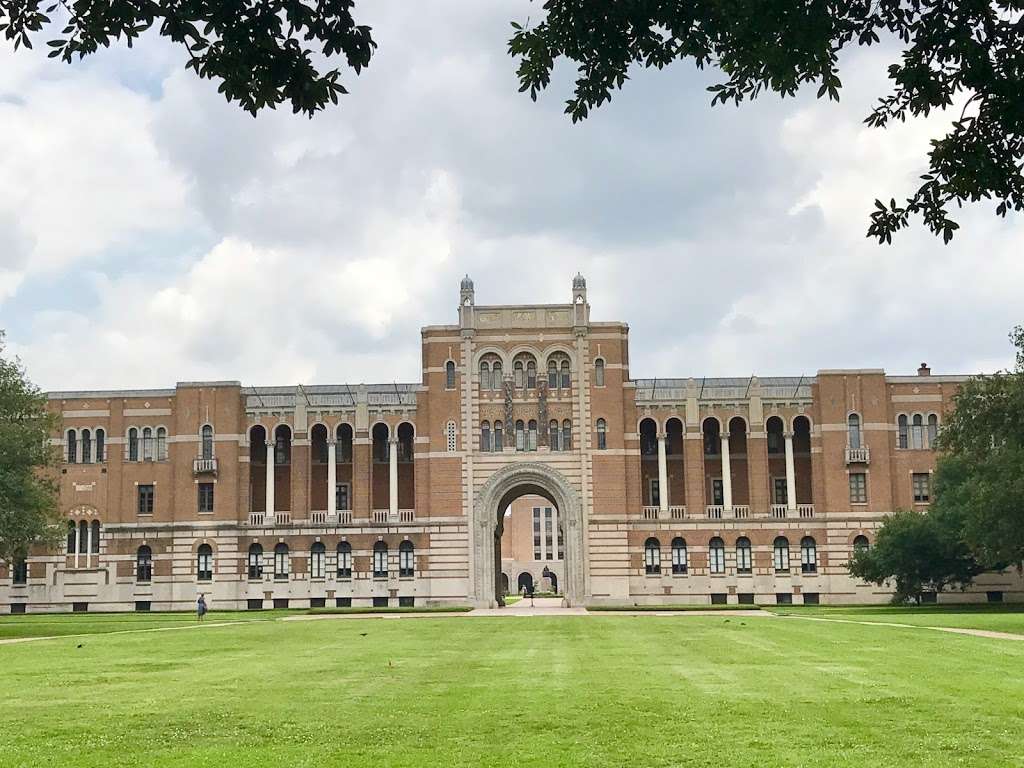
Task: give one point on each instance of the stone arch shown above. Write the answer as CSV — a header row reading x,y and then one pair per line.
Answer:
x,y
503,487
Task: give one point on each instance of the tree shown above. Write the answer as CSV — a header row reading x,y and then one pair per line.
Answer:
x,y
960,50
253,47
981,476
919,552
29,513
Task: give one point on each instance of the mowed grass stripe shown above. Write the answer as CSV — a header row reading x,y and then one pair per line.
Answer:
x,y
603,691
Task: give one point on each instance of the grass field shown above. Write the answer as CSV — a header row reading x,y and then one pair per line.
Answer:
x,y
601,690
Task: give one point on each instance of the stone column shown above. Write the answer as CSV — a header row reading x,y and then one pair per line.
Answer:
x,y
790,474
88,545
271,457
662,476
543,532
726,473
332,480
393,477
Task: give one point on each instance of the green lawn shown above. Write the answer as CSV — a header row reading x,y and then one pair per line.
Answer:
x,y
597,690
1001,618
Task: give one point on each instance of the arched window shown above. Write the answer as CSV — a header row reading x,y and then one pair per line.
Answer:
x,y
207,441
567,435
344,450
648,438
743,555
497,379
381,444
712,432
531,435
602,435
520,435
133,444
144,564
449,375
499,441
679,560
485,436
380,560
519,374
780,554
282,562
716,555
317,560
933,429
83,537
72,441
485,375
531,374
255,561
903,432
161,444
808,555
917,432
451,436
86,447
652,556
552,374
406,442
344,560
94,545
282,446
72,536
406,559
861,544
566,378
101,446
853,431
554,436
147,444
204,562
599,372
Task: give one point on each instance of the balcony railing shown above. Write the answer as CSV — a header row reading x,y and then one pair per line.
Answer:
x,y
741,511
319,517
379,517
677,512
406,515
257,518
714,511
780,511
384,516
201,466
651,513
858,455
344,517
805,510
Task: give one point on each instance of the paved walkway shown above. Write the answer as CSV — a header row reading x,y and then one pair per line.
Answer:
x,y
990,633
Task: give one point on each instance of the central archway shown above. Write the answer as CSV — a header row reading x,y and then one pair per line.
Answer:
x,y
500,490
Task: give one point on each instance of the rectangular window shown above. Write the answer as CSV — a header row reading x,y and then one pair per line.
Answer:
x,y
811,598
548,534
254,604
20,574
536,533
142,606
784,598
146,499
745,598
719,598
406,601
717,492
858,488
343,602
655,492
921,482
380,602
341,501
205,497
781,490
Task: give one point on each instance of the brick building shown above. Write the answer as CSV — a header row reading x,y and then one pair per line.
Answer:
x,y
668,490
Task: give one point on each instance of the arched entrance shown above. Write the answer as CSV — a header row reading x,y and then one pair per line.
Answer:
x,y
525,582
500,490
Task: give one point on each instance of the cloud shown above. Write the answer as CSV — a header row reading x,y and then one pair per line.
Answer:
x,y
190,241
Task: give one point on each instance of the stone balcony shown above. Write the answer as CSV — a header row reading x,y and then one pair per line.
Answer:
x,y
858,455
204,466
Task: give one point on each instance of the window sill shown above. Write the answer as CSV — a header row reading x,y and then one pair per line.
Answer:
x,y
808,573
744,572
786,572
204,513
281,579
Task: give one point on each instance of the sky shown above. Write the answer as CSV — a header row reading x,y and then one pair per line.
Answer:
x,y
150,232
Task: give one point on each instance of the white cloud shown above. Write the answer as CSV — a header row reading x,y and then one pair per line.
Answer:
x,y
731,241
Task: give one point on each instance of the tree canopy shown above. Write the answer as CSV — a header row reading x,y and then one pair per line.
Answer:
x,y
28,495
966,55
980,477
918,552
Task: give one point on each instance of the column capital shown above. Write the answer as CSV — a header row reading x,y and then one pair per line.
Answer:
x,y
269,442
725,435
787,435
332,442
662,436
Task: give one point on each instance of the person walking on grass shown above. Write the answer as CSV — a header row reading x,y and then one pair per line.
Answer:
x,y
200,607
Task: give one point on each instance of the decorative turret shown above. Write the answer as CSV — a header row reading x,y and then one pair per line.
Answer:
x,y
466,301
581,310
